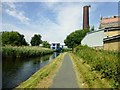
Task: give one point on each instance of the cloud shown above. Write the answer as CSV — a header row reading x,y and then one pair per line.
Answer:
x,y
25,31
60,0
12,11
68,18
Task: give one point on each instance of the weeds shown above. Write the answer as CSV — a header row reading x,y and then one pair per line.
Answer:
x,y
106,62
24,51
43,78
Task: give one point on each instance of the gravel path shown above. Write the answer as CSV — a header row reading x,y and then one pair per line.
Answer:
x,y
65,78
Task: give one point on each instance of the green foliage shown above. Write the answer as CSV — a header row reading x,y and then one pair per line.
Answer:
x,y
66,49
106,62
13,38
24,51
45,44
75,38
36,40
43,74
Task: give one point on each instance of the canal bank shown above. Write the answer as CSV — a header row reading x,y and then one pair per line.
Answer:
x,y
15,71
24,51
44,76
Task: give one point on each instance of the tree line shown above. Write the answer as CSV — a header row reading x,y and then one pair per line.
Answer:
x,y
14,38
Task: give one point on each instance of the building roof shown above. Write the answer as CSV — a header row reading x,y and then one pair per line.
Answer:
x,y
55,42
110,19
95,31
109,22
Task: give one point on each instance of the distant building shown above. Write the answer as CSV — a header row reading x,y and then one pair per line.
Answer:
x,y
109,22
112,39
94,39
111,28
55,46
112,43
108,35
63,46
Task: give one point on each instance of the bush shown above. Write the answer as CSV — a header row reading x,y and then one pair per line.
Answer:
x,y
104,61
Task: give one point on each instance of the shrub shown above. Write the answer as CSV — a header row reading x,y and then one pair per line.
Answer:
x,y
104,61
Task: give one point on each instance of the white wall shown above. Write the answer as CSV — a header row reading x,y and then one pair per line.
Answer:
x,y
93,39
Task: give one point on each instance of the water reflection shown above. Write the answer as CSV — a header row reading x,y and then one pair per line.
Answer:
x,y
16,71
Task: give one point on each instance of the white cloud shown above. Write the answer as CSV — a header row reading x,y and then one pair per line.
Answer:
x,y
68,18
60,0
11,10
11,5
18,15
11,27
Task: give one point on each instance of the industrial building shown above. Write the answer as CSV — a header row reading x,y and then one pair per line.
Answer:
x,y
108,35
109,22
94,39
111,28
112,43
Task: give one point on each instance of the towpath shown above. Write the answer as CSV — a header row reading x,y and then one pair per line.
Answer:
x,y
65,78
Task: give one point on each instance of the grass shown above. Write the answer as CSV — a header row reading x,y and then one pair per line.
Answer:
x,y
24,51
66,50
96,67
87,78
43,77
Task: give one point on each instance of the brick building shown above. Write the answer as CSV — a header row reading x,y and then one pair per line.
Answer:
x,y
107,37
111,28
109,22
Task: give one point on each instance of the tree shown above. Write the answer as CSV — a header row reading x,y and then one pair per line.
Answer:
x,y
13,38
45,44
36,40
74,39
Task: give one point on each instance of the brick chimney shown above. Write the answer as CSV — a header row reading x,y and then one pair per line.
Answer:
x,y
86,17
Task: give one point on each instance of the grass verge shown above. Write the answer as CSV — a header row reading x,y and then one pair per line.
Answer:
x,y
43,78
87,78
106,63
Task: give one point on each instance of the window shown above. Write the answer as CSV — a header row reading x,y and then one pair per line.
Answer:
x,y
53,47
58,45
53,44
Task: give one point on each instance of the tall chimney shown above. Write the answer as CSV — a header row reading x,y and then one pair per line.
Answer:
x,y
86,17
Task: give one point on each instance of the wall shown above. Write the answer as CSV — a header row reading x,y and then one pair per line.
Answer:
x,y
106,25
112,33
109,22
94,39
112,45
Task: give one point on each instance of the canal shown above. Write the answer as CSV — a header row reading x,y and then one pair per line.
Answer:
x,y
15,71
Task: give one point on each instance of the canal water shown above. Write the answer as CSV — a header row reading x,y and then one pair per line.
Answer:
x,y
15,71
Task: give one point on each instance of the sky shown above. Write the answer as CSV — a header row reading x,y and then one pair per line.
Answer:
x,y
52,20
